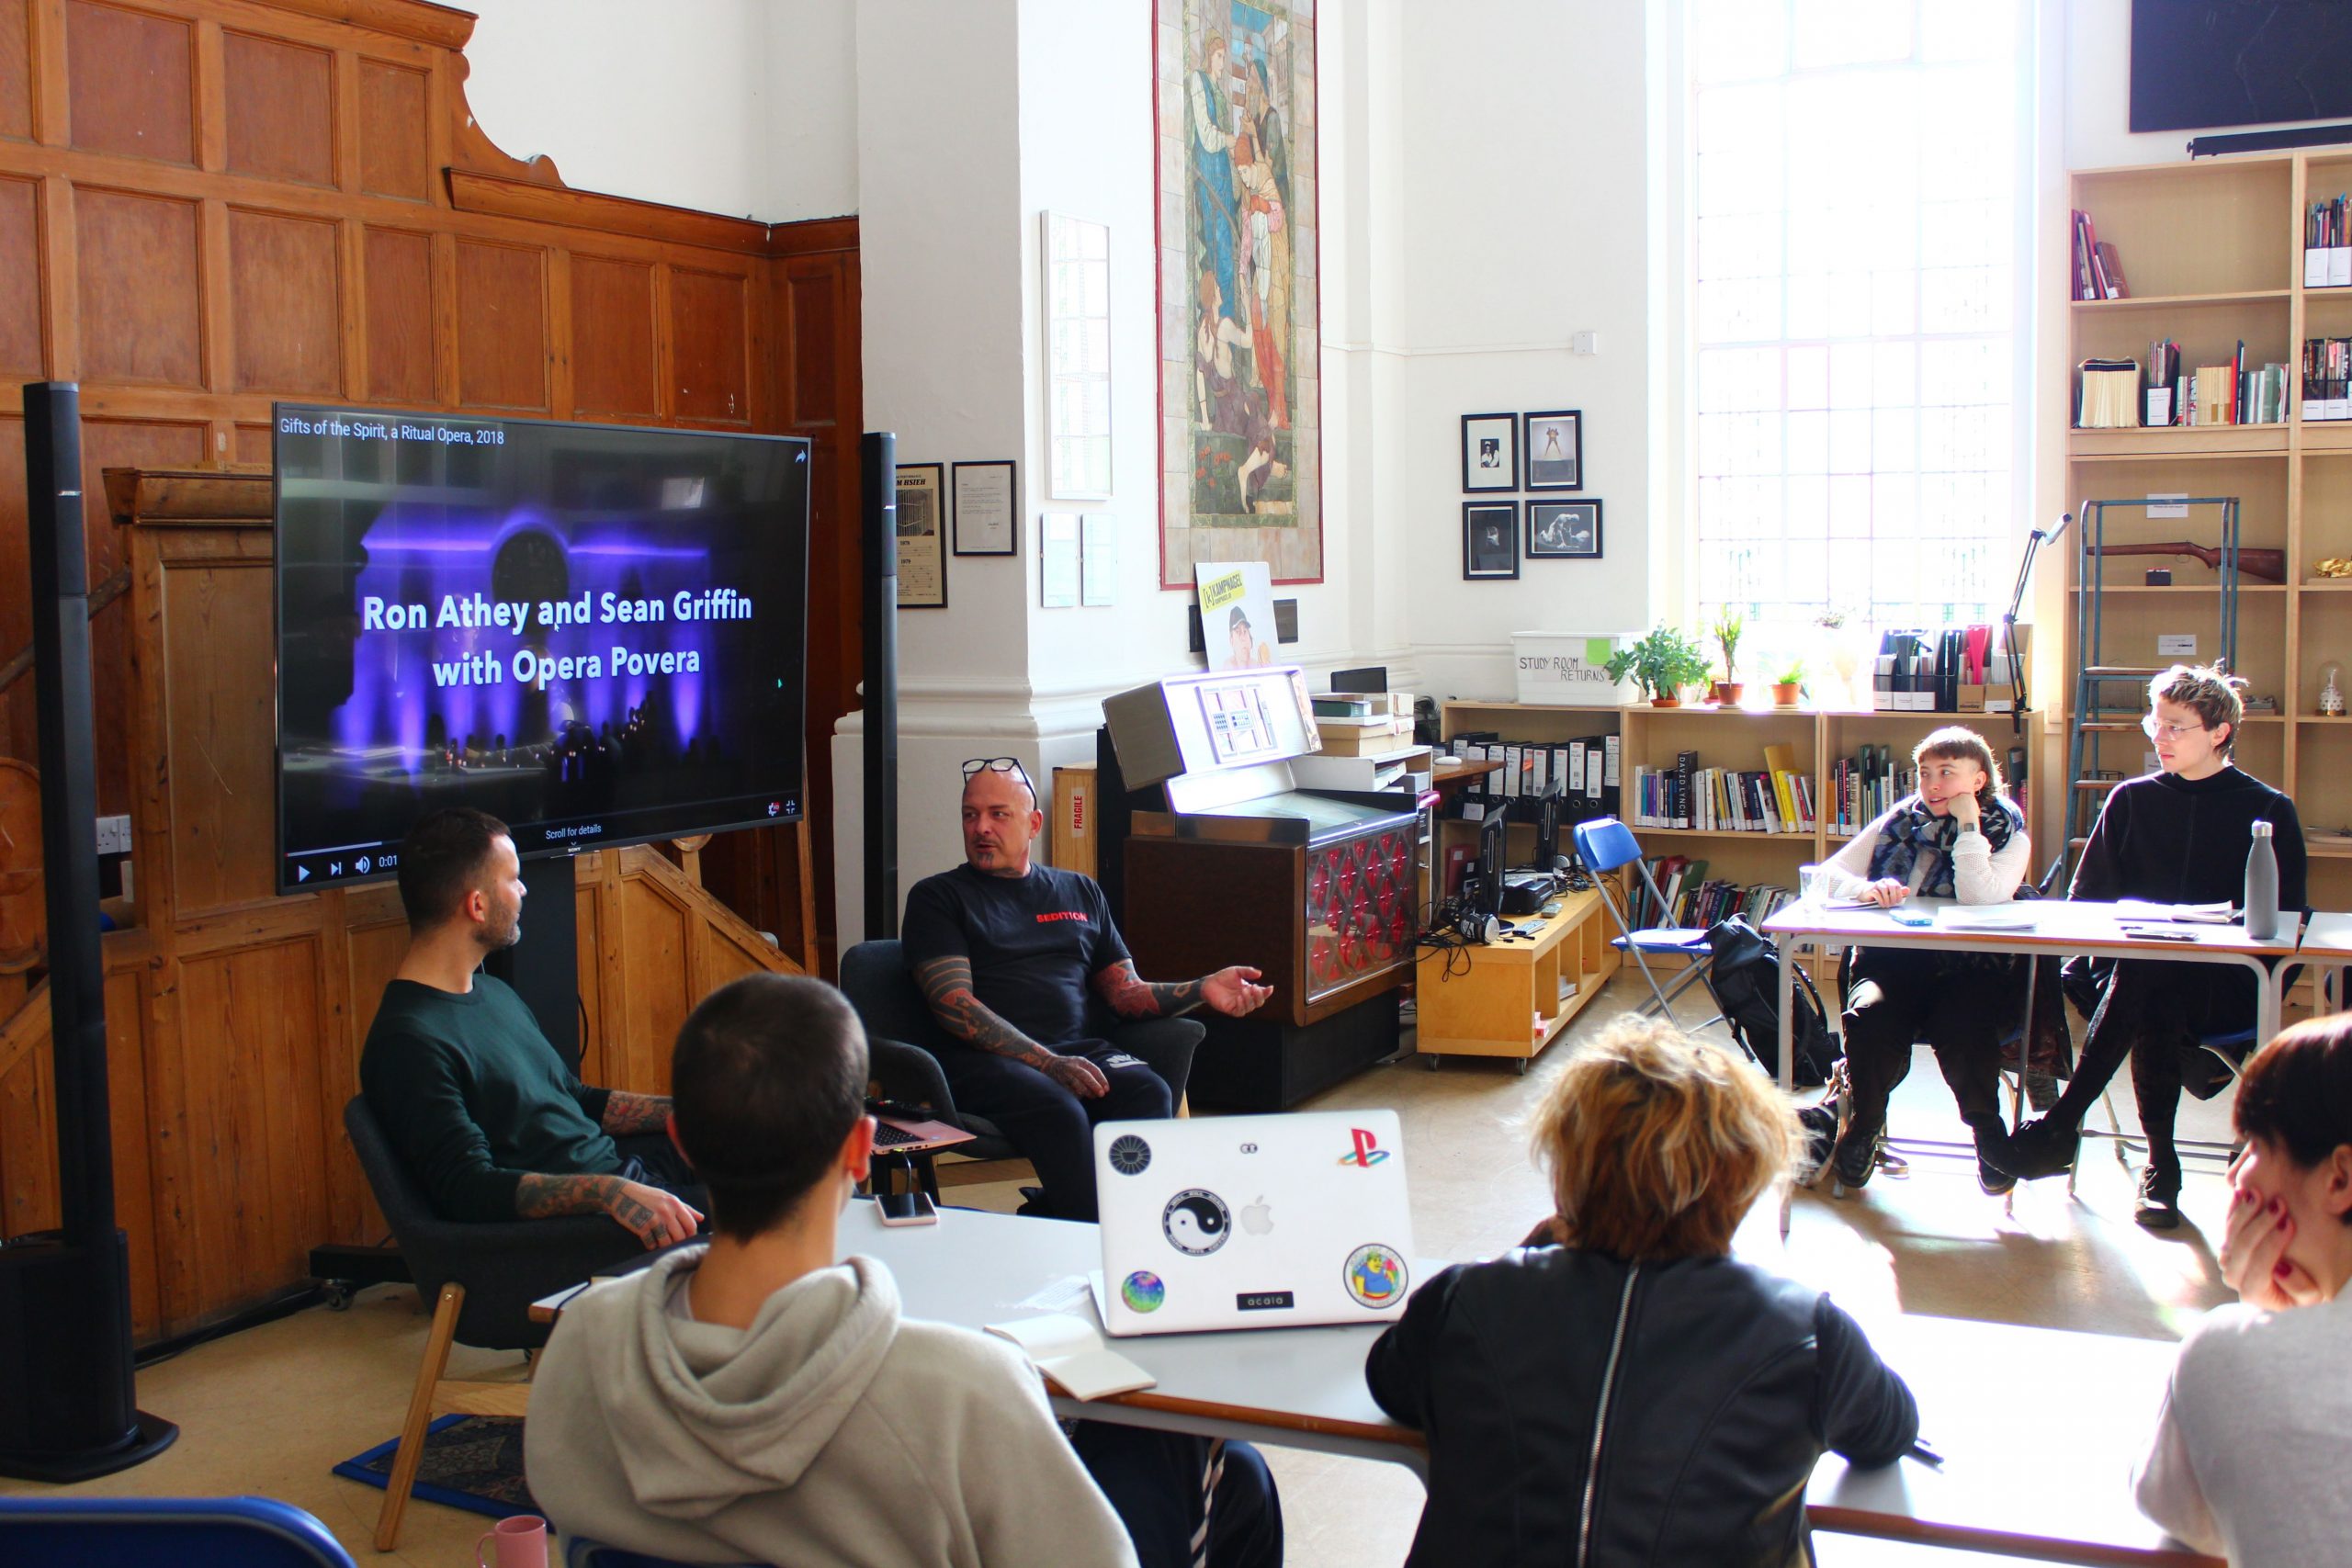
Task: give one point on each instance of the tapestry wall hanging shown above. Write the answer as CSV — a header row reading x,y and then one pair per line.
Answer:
x,y
1240,398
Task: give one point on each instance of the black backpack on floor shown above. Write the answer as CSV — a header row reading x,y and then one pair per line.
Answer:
x,y
1745,980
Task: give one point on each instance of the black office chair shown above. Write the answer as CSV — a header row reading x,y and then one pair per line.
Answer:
x,y
481,1279
906,1043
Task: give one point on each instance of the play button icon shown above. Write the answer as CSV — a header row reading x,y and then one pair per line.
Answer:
x,y
301,873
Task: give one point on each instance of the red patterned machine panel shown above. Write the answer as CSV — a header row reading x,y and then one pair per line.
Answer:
x,y
1360,907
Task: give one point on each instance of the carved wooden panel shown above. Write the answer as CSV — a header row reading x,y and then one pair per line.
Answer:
x,y
28,1141
141,288
252,444
134,1181
288,303
221,725
653,937
112,444
243,1196
709,323
501,326
15,566
393,159
16,71
811,297
400,316
613,365
131,80
20,353
280,112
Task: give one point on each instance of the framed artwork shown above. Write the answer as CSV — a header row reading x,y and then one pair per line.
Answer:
x,y
1489,452
1238,276
1077,358
985,525
1489,539
1563,530
1555,450
923,537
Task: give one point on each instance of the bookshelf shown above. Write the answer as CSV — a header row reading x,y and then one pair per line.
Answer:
x,y
2214,252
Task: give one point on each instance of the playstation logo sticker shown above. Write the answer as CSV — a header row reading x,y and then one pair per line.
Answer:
x,y
1367,1152
1196,1222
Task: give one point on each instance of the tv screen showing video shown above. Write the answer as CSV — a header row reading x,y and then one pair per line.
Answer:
x,y
595,633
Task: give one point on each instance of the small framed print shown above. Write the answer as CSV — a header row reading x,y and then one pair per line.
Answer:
x,y
921,537
1555,450
1563,530
1489,539
984,516
1489,452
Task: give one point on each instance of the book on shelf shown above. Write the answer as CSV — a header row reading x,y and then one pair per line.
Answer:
x,y
1866,785
2327,379
2098,269
2327,248
2110,395
1771,799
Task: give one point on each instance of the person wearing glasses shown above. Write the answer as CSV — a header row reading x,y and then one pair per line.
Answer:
x,y
1021,961
2177,836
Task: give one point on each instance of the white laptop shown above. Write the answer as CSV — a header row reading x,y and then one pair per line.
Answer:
x,y
1253,1222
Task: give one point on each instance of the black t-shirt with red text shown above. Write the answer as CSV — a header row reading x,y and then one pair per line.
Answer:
x,y
1033,942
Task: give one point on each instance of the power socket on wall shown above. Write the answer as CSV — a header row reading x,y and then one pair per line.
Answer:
x,y
114,835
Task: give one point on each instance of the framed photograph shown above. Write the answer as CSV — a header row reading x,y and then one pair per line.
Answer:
x,y
923,537
984,516
1489,539
1489,452
1563,530
1555,450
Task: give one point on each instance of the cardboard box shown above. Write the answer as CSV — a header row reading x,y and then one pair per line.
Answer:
x,y
1074,839
1362,740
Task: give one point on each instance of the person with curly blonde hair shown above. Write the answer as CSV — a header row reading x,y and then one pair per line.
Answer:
x,y
1621,1383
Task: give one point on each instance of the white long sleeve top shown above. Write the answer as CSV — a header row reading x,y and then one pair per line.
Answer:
x,y
1979,876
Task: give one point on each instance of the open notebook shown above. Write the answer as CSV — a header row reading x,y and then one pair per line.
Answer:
x,y
1070,1353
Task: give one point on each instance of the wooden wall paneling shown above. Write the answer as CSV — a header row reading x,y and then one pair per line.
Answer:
x,y
372,953
15,609
286,304
710,354
615,370
589,939
220,732
502,327
559,335
107,444
135,1177
61,269
21,315
132,80
16,71
279,109
140,307
52,97
390,123
253,444
211,98
29,1138
399,316
661,989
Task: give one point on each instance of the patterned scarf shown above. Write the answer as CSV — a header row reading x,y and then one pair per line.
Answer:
x,y
1914,830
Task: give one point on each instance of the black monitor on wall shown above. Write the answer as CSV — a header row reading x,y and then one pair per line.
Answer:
x,y
596,633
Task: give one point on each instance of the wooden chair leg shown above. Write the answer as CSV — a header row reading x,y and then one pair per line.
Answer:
x,y
409,1455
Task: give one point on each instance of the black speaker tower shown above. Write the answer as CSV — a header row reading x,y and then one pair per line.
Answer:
x,y
66,1410
878,463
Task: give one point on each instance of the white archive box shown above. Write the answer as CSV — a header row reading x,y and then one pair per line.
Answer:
x,y
1566,671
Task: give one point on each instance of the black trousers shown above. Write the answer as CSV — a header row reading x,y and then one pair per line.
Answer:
x,y
1051,1126
1898,995
1154,1481
2154,1013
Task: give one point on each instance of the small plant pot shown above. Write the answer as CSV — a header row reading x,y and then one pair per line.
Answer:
x,y
1728,693
1785,694
1666,702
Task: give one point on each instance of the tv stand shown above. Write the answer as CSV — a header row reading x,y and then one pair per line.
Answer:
x,y
544,967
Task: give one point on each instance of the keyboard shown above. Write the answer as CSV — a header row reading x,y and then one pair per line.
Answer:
x,y
887,1137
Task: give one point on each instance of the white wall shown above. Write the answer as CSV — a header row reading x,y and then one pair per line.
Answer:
x,y
740,106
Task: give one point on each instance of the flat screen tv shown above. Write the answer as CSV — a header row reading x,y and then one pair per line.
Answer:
x,y
595,633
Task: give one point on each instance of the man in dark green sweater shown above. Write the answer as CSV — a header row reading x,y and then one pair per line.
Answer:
x,y
489,1118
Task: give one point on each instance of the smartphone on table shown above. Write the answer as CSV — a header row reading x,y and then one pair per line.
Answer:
x,y
908,1209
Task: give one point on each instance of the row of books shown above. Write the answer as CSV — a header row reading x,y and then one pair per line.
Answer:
x,y
1695,901
1865,786
1951,669
2113,394
2327,379
1584,771
2327,243
1775,798
2098,271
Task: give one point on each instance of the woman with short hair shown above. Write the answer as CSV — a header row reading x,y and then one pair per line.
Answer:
x,y
2247,1461
1619,1390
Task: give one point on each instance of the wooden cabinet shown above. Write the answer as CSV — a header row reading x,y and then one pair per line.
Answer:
x,y
1514,998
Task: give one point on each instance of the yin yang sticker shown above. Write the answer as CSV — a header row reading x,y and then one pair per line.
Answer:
x,y
1196,1222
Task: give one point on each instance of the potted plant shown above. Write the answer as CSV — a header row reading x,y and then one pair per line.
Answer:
x,y
1661,663
1728,626
1789,685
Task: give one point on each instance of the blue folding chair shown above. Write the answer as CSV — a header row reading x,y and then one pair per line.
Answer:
x,y
1604,844
165,1532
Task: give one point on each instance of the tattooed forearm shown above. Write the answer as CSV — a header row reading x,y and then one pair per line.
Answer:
x,y
626,1113
1131,996
946,986
541,1197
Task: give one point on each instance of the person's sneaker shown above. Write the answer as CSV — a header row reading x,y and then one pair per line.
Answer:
x,y
1855,1159
1993,1181
2042,1146
2159,1205
1991,1137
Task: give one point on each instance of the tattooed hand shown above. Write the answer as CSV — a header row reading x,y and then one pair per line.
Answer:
x,y
1076,1074
654,1217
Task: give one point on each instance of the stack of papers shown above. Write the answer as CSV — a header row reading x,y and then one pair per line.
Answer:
x,y
2219,914
2009,916
1071,1353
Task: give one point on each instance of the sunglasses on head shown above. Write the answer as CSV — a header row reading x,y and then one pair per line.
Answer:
x,y
999,765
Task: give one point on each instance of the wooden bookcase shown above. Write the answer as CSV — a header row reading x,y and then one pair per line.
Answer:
x,y
2213,251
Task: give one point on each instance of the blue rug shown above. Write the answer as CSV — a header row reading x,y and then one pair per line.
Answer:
x,y
473,1463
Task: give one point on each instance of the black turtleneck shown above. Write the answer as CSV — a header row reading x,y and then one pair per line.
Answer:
x,y
2180,840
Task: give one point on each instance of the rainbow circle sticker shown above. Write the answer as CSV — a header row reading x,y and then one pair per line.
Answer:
x,y
1374,1276
1142,1290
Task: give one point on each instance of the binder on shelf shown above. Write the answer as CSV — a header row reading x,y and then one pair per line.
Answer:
x,y
2110,395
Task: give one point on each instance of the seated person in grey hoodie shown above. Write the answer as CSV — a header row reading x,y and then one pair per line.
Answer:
x,y
754,1401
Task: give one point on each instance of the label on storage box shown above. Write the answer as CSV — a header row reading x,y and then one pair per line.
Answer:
x,y
1568,671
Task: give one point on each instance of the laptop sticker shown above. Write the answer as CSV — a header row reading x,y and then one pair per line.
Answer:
x,y
1129,1154
1143,1290
1374,1276
1367,1152
1196,1222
